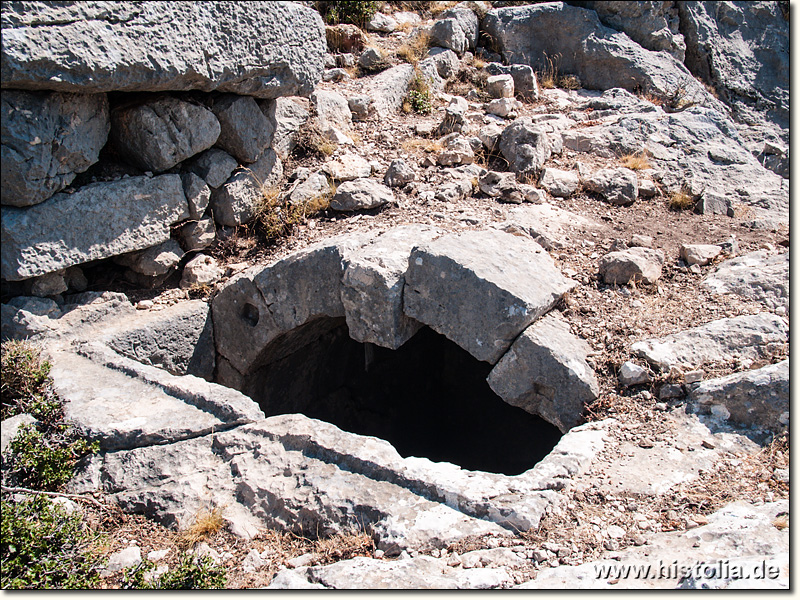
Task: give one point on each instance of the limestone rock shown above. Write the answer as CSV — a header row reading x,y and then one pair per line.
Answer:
x,y
632,374
481,289
548,225
399,173
135,213
699,254
446,61
730,61
197,235
421,572
47,139
605,59
745,337
371,60
49,284
10,428
201,270
332,110
361,107
757,398
214,166
500,86
503,107
494,184
632,265
456,29
125,46
389,88
244,130
235,203
372,287
756,276
360,194
315,188
178,339
382,23
561,184
618,186
123,559
160,133
458,151
287,116
525,84
525,146
197,194
347,167
154,261
545,373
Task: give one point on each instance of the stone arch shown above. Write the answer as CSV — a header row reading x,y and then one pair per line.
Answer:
x,y
486,291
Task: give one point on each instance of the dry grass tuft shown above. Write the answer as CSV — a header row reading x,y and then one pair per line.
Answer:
x,y
569,82
206,524
437,8
637,161
416,49
343,546
681,200
413,144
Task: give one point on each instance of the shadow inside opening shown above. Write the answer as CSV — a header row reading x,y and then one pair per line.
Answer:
x,y
428,399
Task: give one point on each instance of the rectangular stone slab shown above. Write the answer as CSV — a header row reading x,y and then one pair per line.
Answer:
x,y
100,220
480,289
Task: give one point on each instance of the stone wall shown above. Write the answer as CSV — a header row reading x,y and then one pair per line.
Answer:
x,y
121,121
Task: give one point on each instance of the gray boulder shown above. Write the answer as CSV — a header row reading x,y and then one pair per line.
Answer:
x,y
757,398
481,289
347,167
47,139
287,115
748,337
526,147
618,186
202,270
561,184
361,194
154,261
399,173
500,86
652,25
98,221
457,151
372,287
388,89
456,29
632,265
603,59
525,84
361,107
197,194
545,372
727,46
315,187
446,61
152,47
214,166
455,119
197,235
755,276
372,59
382,23
332,110
157,135
699,254
236,202
244,130
49,284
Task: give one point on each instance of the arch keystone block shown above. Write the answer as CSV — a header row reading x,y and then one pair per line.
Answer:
x,y
481,289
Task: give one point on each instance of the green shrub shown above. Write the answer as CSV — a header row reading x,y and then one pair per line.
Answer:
x,y
41,546
44,462
419,95
193,573
25,386
357,12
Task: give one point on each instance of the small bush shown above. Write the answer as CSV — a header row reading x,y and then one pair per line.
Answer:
x,y
355,12
41,546
419,95
192,573
276,219
25,386
569,82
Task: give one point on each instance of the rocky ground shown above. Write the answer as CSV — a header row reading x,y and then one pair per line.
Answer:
x,y
662,476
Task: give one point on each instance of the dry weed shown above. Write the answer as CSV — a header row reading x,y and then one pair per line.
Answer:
x,y
637,161
416,49
206,524
681,200
437,8
343,546
413,144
